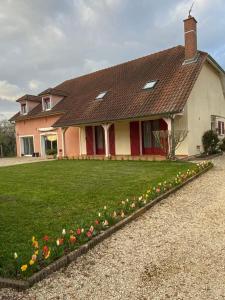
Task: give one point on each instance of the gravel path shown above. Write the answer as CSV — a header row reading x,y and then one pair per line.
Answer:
x,y
174,251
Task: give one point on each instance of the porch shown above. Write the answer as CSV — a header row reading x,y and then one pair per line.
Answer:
x,y
128,140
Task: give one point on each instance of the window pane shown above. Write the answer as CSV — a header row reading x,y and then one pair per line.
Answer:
x,y
28,145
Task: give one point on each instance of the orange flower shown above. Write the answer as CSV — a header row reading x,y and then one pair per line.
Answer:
x,y
59,242
45,238
72,239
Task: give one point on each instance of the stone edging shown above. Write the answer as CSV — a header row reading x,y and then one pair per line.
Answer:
x,y
72,256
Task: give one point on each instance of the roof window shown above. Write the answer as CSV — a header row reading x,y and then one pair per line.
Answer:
x,y
150,85
101,95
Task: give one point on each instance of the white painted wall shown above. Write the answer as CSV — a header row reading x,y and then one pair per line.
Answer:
x,y
122,138
206,99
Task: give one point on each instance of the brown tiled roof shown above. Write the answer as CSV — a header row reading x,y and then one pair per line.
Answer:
x,y
125,96
54,91
29,98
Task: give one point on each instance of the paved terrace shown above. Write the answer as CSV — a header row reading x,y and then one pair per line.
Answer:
x,y
11,161
174,251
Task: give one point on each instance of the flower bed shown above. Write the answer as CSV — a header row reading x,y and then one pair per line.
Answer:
x,y
48,249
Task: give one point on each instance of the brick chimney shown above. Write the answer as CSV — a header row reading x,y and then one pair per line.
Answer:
x,y
190,37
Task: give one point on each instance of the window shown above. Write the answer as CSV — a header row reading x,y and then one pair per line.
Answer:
x,y
46,103
149,85
221,129
23,108
101,95
27,145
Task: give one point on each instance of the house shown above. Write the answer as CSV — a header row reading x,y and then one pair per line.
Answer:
x,y
118,111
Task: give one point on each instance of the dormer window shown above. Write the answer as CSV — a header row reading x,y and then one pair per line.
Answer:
x,y
46,103
23,108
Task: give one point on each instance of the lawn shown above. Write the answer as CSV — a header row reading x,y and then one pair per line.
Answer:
x,y
42,198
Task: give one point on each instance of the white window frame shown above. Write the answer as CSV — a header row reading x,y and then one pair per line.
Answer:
x,y
46,134
26,108
20,141
43,105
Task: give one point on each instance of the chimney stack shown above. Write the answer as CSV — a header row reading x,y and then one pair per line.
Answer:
x,y
190,37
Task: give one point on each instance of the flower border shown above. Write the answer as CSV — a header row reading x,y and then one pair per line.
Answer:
x,y
84,238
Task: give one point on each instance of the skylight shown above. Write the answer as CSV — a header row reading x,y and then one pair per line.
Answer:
x,y
150,85
101,95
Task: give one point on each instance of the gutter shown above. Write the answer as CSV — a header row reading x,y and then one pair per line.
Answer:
x,y
168,115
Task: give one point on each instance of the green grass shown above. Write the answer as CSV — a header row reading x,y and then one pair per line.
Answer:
x,y
42,198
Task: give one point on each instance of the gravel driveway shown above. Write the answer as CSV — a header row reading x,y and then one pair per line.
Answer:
x,y
174,251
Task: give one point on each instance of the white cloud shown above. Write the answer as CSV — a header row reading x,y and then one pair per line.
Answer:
x,y
10,91
92,65
34,85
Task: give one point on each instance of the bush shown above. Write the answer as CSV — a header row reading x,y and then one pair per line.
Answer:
x,y
51,151
210,142
222,144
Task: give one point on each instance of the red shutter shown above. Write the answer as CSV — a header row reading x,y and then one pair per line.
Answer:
x,y
135,138
89,140
112,150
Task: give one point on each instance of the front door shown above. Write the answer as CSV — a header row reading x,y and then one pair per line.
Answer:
x,y
99,140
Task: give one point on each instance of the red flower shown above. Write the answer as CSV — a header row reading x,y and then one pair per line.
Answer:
x,y
96,222
78,231
45,238
89,234
45,250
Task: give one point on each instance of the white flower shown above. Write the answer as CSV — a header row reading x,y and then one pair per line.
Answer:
x,y
127,200
114,214
122,214
82,230
91,228
132,205
123,202
105,207
57,242
63,231
105,223
140,198
99,214
15,255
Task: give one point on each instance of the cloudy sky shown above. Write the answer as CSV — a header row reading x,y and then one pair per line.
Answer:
x,y
44,42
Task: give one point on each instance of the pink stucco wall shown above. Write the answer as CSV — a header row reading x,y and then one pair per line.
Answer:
x,y
31,128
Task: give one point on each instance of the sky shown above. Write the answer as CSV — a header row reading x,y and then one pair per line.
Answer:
x,y
44,42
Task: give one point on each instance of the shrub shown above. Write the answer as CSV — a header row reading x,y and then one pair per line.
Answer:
x,y
51,151
210,142
222,144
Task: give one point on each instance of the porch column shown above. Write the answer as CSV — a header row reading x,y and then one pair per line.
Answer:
x,y
63,141
169,125
106,134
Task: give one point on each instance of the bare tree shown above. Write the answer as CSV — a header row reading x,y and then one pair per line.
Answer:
x,y
169,141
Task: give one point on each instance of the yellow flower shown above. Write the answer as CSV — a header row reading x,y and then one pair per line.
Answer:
x,y
31,262
15,255
48,254
23,268
36,252
35,244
